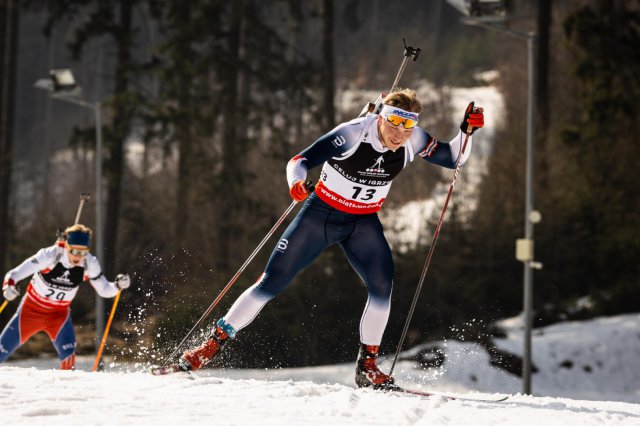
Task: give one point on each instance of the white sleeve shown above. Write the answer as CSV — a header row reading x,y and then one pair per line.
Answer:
x,y
296,170
103,286
39,261
455,145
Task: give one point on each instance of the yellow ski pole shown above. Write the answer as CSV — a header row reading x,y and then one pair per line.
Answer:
x,y
4,305
106,331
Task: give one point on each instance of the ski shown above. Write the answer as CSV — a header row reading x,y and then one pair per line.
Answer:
x,y
477,398
395,389
166,369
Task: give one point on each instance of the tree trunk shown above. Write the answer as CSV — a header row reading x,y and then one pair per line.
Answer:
x,y
121,126
9,16
231,177
185,149
327,58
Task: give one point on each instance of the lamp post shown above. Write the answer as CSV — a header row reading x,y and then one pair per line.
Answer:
x,y
491,14
62,86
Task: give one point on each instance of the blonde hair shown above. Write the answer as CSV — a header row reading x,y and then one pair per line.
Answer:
x,y
78,228
407,99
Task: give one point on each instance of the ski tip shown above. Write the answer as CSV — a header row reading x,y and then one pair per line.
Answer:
x,y
501,398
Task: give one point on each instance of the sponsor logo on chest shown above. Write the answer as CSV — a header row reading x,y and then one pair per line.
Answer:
x,y
64,279
367,166
376,168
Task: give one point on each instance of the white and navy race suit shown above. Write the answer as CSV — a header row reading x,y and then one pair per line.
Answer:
x,y
356,176
55,280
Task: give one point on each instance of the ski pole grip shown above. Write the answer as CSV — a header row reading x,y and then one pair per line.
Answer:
x,y
474,109
412,52
310,186
409,51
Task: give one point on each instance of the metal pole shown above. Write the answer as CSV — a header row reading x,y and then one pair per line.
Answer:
x,y
528,224
99,228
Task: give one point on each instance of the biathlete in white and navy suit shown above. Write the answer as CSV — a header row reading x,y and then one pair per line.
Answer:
x,y
56,275
359,161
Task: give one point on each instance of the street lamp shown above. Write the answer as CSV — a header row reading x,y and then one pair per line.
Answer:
x,y
62,86
491,14
487,9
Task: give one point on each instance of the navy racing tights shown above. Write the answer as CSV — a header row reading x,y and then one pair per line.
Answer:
x,y
316,227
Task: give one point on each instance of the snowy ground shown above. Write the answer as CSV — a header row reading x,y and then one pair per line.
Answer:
x,y
30,396
606,393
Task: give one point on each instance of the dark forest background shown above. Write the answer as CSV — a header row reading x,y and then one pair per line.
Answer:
x,y
205,101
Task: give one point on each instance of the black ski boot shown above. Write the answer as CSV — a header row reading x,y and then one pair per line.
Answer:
x,y
368,373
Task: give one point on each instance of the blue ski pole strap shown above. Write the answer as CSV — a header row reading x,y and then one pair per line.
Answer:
x,y
227,328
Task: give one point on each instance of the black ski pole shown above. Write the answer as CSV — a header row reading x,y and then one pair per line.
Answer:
x,y
409,52
226,288
431,250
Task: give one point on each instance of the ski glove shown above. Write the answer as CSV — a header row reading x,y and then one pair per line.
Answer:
x,y
123,281
299,191
474,117
9,290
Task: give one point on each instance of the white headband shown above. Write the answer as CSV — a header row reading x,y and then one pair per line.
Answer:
x,y
388,110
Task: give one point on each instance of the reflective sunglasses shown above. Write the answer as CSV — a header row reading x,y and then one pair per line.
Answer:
x,y
399,117
78,251
396,120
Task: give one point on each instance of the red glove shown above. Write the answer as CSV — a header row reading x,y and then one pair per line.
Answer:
x,y
299,191
473,117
